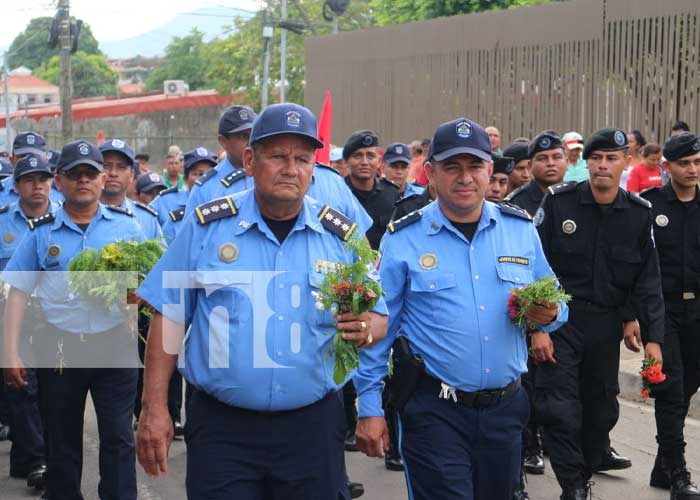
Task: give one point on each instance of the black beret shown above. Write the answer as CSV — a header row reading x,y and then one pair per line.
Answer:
x,y
359,139
502,164
606,139
681,145
517,151
544,141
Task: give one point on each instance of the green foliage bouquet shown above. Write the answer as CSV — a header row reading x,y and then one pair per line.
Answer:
x,y
544,291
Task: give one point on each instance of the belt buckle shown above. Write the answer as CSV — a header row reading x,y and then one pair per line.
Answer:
x,y
688,295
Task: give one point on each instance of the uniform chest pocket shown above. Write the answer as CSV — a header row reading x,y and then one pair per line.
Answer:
x,y
436,296
623,263
317,317
516,274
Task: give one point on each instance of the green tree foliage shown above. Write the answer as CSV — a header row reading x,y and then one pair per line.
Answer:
x,y
30,48
92,74
186,58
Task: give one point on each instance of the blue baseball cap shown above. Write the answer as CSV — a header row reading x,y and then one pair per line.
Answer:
x,y
5,168
28,142
287,118
396,152
52,157
236,119
199,154
148,182
32,163
120,146
80,153
460,136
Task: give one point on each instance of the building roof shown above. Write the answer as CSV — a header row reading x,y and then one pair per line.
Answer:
x,y
23,84
104,108
131,88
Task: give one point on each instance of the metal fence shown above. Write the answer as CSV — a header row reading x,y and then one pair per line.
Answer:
x,y
573,65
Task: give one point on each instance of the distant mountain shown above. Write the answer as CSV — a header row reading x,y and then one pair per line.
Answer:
x,y
211,20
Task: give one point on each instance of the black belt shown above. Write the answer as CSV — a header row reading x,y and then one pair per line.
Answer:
x,y
205,396
477,400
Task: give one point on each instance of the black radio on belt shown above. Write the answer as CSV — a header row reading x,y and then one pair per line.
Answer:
x,y
409,368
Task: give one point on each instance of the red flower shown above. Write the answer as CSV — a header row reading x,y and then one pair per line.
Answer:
x,y
653,374
644,393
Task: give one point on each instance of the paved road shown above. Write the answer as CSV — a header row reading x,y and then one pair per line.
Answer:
x,y
633,436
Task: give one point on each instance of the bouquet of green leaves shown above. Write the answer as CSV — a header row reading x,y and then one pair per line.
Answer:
x,y
349,289
93,274
544,291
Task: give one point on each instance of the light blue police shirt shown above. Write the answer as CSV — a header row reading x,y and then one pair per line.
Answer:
x,y
211,185
13,227
167,200
148,221
412,189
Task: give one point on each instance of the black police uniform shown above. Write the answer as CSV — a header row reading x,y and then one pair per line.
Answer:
x,y
411,203
528,197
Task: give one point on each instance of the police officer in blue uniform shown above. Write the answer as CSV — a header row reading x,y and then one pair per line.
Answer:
x,y
24,144
265,419
52,157
120,170
148,187
234,134
5,168
395,166
447,271
77,330
32,177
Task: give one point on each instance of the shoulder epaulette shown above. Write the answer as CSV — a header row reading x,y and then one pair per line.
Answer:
x,y
563,187
120,210
401,200
639,201
4,209
327,167
336,223
177,215
404,221
234,176
215,209
514,193
146,208
40,221
211,173
510,209
170,190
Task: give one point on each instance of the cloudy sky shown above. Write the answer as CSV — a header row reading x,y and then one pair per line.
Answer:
x,y
110,19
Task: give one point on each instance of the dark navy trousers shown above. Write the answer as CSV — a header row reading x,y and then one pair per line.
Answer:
x,y
452,452
27,432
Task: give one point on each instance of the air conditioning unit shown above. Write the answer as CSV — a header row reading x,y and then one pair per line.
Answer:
x,y
175,87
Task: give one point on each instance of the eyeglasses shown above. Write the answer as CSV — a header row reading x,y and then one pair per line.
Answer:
x,y
75,175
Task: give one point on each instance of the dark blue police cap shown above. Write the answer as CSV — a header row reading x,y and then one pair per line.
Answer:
x,y
460,136
287,118
358,140
502,164
31,163
80,153
5,167
236,119
148,182
605,139
28,142
120,146
199,154
681,145
517,151
396,152
52,157
544,141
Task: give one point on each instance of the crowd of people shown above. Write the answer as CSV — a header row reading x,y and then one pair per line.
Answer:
x,y
448,389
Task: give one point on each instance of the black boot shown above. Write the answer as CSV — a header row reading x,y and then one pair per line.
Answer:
x,y
576,492
681,487
612,460
520,493
660,477
534,461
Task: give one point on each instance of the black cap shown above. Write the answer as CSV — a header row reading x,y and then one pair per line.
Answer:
x,y
544,141
606,139
52,157
460,136
28,142
358,140
148,182
287,118
236,119
32,163
502,164
518,151
5,168
396,152
681,145
199,154
120,146
80,153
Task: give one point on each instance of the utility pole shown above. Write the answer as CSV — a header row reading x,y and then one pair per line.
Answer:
x,y
283,54
267,36
335,23
6,95
65,81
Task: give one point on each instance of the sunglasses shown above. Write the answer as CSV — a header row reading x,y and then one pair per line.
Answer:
x,y
74,175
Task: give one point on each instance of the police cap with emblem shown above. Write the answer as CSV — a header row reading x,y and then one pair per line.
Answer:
x,y
502,164
359,139
30,164
397,152
605,139
122,147
5,168
53,157
286,118
517,151
148,182
460,136
78,153
236,119
199,154
28,142
681,145
544,141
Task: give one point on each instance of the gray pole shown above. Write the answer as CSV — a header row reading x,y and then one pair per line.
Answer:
x,y
335,23
283,54
65,82
267,37
6,92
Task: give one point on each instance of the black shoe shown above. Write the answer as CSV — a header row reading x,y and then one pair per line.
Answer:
x,y
681,487
179,429
4,432
520,494
393,463
575,493
612,460
350,442
660,476
533,463
356,489
37,477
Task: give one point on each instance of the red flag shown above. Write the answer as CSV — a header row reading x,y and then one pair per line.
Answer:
x,y
323,155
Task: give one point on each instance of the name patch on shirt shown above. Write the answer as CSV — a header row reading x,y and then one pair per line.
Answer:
x,y
514,260
325,267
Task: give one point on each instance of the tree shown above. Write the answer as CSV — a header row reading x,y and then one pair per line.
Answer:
x,y
30,48
92,74
185,59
